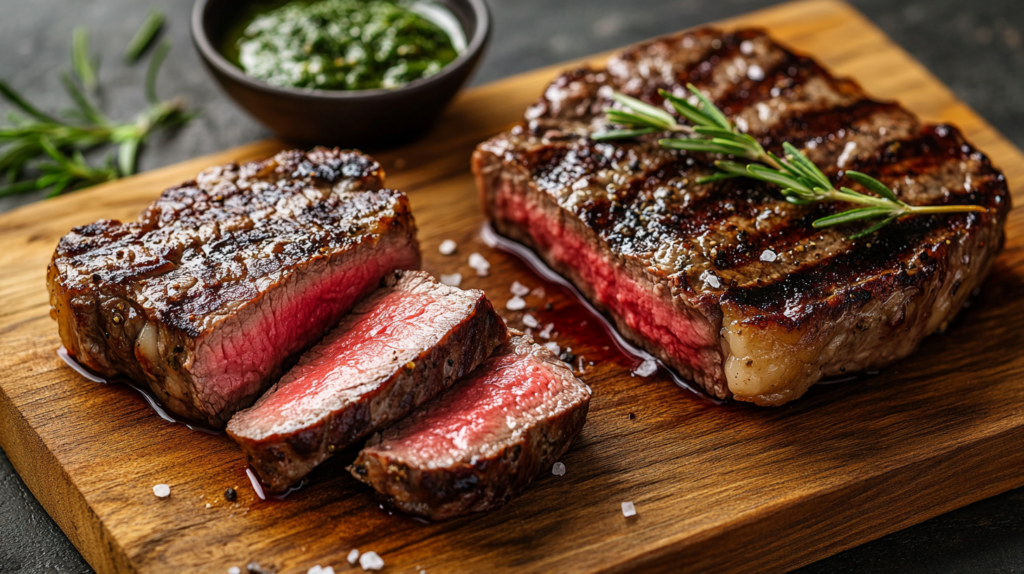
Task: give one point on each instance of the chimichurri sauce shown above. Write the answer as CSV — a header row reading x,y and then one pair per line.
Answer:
x,y
342,44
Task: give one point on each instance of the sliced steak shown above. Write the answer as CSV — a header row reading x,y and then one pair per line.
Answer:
x,y
225,279
727,282
484,440
408,341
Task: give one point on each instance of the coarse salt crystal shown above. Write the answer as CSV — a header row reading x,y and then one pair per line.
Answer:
x,y
763,111
755,73
234,570
371,561
447,247
741,124
162,490
747,47
628,509
546,331
537,292
519,290
530,321
515,304
482,266
847,153
207,505
646,368
768,255
558,469
553,347
710,280
315,570
353,555
453,280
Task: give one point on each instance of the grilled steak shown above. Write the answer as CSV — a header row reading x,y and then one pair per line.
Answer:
x,y
408,341
726,282
223,280
484,440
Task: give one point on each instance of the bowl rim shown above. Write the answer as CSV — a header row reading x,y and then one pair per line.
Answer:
x,y
479,12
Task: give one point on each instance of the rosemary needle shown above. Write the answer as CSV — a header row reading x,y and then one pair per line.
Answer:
x,y
800,181
144,36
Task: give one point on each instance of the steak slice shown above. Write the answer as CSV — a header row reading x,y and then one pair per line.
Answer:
x,y
484,440
726,282
223,280
408,341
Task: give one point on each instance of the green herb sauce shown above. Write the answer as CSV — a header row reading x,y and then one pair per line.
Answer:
x,y
343,44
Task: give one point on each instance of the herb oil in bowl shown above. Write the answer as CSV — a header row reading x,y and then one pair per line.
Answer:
x,y
345,44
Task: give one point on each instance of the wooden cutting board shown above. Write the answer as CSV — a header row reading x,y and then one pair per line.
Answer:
x,y
731,487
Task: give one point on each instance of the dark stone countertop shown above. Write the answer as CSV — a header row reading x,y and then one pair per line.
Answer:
x,y
977,48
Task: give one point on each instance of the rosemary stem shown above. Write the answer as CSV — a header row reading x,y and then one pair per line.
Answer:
x,y
945,208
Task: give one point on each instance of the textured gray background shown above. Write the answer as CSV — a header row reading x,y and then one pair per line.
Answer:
x,y
975,47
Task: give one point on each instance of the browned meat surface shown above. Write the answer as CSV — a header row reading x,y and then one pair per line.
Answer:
x,y
484,440
726,282
225,279
408,341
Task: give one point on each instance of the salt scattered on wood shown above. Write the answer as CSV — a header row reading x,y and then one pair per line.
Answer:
x,y
371,561
558,469
553,347
530,321
628,509
162,490
453,280
234,570
546,332
447,247
516,304
207,505
768,255
646,368
353,555
481,265
320,570
519,290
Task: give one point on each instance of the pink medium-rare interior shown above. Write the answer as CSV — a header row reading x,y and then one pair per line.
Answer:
x,y
479,412
237,359
645,314
351,362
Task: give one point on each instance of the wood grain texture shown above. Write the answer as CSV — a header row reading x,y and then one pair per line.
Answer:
x,y
717,488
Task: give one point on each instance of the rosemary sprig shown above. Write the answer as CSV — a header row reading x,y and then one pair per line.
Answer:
x,y
144,36
800,181
50,148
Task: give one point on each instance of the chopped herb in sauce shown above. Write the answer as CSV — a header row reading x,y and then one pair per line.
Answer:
x,y
343,44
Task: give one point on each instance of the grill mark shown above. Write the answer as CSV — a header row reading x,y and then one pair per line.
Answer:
x,y
800,127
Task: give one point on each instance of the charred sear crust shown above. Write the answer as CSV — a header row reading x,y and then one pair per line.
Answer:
x,y
284,441
477,475
186,299
747,278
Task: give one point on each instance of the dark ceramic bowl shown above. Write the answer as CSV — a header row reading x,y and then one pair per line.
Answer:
x,y
355,118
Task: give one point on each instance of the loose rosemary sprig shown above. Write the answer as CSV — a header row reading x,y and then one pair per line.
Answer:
x,y
799,179
50,148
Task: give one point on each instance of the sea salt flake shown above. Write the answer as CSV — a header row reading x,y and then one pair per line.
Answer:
x,y
453,280
628,509
481,265
234,570
546,331
516,304
162,490
353,555
646,368
447,247
710,280
741,124
768,255
537,292
371,561
763,111
558,469
847,153
755,73
530,321
519,290
553,347
747,47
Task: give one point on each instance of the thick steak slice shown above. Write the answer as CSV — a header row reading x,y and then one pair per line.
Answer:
x,y
726,282
223,280
484,440
402,345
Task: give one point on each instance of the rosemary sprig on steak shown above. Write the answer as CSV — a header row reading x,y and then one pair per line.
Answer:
x,y
43,151
800,181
